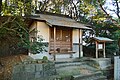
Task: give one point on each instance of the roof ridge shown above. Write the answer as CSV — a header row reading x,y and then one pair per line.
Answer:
x,y
53,14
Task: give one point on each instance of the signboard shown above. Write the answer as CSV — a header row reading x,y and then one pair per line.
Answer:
x,y
117,68
100,46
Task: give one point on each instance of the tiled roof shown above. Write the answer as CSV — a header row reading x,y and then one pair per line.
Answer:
x,y
56,20
103,39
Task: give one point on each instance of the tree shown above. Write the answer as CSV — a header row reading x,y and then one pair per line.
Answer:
x,y
14,32
103,23
0,7
114,21
115,10
17,8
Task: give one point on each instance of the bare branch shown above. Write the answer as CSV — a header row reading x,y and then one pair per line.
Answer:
x,y
108,16
116,1
8,20
99,2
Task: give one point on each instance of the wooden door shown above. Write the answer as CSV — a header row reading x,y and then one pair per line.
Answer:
x,y
63,39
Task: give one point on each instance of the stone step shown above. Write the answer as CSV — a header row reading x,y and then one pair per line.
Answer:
x,y
87,64
69,64
60,62
84,59
94,76
76,64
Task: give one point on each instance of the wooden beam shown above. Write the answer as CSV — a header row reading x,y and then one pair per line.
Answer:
x,y
96,49
104,55
54,42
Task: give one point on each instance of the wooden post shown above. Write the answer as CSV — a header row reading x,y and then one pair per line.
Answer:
x,y
104,50
80,44
54,42
81,47
96,49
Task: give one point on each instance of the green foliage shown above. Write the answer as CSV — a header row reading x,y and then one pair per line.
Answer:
x,y
16,8
15,34
13,30
37,46
13,26
45,59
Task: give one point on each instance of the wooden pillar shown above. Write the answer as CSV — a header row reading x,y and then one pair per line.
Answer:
x,y
104,50
54,42
96,49
80,44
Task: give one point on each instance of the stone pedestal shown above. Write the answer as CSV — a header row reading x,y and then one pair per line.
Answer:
x,y
104,63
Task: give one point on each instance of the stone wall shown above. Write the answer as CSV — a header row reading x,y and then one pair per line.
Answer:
x,y
33,71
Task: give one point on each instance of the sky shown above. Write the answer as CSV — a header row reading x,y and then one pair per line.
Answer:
x,y
109,5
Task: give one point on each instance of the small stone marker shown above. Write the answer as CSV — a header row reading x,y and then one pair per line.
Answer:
x,y
117,68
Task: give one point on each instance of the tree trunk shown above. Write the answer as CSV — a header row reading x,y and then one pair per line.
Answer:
x,y
117,5
0,7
